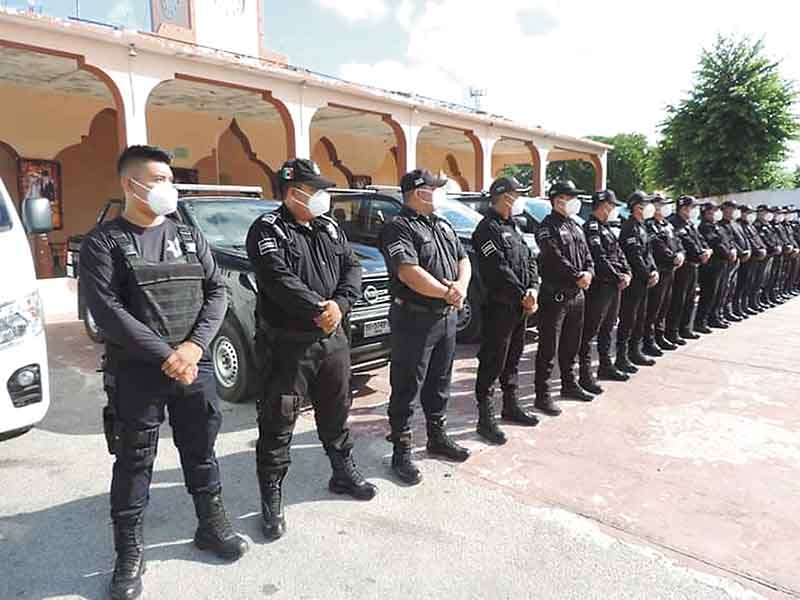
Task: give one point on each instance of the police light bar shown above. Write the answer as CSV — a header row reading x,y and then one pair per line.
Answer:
x,y
224,189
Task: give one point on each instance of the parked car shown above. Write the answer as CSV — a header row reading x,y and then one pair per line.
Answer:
x,y
25,389
363,213
224,215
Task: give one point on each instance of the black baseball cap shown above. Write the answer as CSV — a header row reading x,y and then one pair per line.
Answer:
x,y
303,171
746,208
638,197
687,201
762,208
420,178
504,185
563,188
708,206
605,196
729,204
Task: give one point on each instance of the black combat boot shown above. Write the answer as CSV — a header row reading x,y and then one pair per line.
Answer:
x,y
214,530
544,403
402,466
587,381
636,356
609,372
674,338
347,479
514,413
623,362
663,343
487,426
440,444
126,582
572,391
273,523
649,348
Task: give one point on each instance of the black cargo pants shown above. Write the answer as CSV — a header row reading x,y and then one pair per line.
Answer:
x,y
297,373
659,298
560,330
423,350
502,343
138,393
601,312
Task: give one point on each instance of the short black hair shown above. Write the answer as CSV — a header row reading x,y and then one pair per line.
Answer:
x,y
140,154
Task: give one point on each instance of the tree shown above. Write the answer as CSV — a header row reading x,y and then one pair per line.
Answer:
x,y
579,172
628,163
732,132
796,177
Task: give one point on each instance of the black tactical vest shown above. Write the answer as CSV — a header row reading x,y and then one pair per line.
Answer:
x,y
166,296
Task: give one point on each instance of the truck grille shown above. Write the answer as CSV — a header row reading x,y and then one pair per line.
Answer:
x,y
374,293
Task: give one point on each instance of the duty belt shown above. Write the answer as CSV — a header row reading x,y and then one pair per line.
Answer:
x,y
422,308
291,335
560,294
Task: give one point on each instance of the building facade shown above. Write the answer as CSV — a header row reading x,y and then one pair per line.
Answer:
x,y
194,77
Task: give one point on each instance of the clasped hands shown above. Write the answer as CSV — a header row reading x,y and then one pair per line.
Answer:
x,y
456,293
181,365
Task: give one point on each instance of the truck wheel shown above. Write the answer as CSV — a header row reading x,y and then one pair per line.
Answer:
x,y
92,330
231,363
468,329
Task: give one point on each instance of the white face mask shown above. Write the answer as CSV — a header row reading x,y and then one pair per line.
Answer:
x,y
751,218
162,198
614,214
779,218
574,206
694,214
737,214
517,205
665,210
318,203
438,197
649,211
717,216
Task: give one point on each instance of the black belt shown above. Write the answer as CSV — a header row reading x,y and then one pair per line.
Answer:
x,y
422,308
560,294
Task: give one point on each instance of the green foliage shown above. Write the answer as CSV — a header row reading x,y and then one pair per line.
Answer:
x,y
628,163
578,171
731,133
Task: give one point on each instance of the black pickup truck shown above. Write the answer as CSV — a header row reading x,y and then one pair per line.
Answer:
x,y
224,215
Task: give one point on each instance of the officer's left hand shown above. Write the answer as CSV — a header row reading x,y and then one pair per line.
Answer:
x,y
584,280
679,258
732,256
530,302
330,317
182,360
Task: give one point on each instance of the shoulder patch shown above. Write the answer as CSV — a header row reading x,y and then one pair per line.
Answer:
x,y
631,241
594,226
488,248
267,245
395,248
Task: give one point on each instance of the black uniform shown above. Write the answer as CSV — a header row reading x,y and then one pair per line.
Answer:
x,y
794,276
682,305
787,263
298,267
730,280
712,273
149,289
635,241
666,247
508,270
765,276
746,297
423,328
603,297
564,255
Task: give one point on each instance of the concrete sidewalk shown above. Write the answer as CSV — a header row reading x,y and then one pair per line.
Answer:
x,y
680,484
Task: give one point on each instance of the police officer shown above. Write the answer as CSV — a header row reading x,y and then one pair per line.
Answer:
x,y
746,298
730,224
681,312
308,280
511,278
156,293
790,251
709,311
669,256
430,274
635,243
793,225
612,275
774,248
567,271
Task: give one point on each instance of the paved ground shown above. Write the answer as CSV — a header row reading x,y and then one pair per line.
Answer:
x,y
680,484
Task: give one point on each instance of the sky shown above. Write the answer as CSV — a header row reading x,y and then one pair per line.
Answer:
x,y
580,67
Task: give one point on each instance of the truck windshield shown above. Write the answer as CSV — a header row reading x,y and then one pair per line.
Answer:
x,y
225,222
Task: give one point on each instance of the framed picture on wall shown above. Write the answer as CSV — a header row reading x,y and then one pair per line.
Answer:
x,y
42,179
183,175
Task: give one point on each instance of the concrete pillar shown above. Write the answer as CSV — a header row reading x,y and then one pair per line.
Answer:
x,y
302,107
134,90
411,124
601,171
539,179
487,144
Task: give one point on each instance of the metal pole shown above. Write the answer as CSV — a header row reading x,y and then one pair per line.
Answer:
x,y
78,8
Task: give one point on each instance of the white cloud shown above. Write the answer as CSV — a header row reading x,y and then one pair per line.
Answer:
x,y
357,10
580,66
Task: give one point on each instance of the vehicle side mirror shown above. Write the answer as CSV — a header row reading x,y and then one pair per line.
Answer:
x,y
37,215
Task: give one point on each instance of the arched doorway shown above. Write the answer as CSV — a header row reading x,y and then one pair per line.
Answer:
x,y
454,152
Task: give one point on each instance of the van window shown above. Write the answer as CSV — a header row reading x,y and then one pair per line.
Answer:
x,y
5,218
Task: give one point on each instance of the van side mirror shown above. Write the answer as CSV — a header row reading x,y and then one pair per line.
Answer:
x,y
37,215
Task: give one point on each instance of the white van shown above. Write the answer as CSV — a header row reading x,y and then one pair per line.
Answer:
x,y
24,380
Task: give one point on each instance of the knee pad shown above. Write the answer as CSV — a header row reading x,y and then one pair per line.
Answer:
x,y
137,448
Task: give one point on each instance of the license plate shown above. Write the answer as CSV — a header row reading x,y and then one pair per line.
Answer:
x,y
376,328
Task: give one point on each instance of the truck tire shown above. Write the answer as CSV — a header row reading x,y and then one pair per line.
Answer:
x,y
231,363
92,330
468,330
